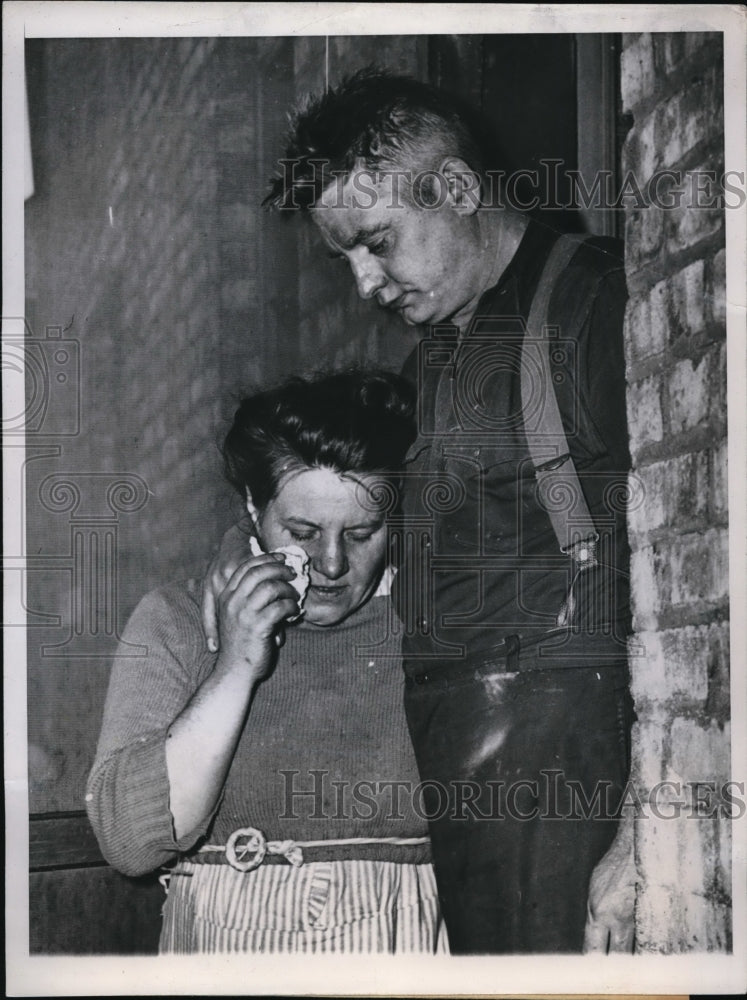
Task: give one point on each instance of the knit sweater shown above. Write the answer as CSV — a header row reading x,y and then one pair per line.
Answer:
x,y
324,752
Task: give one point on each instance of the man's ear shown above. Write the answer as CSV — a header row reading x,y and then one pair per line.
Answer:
x,y
252,510
463,185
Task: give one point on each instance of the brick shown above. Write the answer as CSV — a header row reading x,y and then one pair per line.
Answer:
x,y
717,299
644,330
700,752
644,413
637,71
650,513
676,662
659,315
650,734
654,853
718,706
697,217
671,921
686,300
717,409
644,235
699,568
673,308
683,897
687,118
645,597
687,571
696,40
697,392
640,154
668,131
698,842
672,492
723,851
648,922
670,49
719,483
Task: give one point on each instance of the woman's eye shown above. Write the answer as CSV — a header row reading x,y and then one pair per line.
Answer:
x,y
362,536
300,537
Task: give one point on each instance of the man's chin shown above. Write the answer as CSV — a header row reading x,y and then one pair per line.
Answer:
x,y
410,316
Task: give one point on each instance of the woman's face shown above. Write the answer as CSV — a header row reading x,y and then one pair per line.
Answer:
x,y
332,517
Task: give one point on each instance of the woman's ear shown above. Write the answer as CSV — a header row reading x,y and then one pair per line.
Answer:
x,y
463,187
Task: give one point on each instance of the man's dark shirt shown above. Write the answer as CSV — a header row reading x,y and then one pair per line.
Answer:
x,y
479,559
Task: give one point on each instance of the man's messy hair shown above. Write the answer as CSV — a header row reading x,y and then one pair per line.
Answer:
x,y
379,120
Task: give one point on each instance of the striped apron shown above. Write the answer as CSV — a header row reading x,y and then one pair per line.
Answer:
x,y
321,907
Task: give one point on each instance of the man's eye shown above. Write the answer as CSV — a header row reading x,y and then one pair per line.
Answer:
x,y
379,248
335,255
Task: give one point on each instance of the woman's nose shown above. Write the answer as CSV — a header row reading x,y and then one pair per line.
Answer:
x,y
368,274
331,561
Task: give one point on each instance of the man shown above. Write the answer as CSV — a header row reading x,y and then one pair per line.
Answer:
x,y
514,644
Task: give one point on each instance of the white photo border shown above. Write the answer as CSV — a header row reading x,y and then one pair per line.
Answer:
x,y
82,976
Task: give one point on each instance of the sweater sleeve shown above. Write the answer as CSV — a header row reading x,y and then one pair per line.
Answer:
x,y
159,665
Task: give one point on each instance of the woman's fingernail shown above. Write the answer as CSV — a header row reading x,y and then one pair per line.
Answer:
x,y
212,645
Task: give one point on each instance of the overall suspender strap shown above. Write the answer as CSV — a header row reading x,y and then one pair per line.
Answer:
x,y
557,480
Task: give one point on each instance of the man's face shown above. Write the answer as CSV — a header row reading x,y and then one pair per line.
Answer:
x,y
414,260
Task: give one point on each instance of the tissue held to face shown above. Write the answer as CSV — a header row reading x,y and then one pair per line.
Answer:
x,y
333,518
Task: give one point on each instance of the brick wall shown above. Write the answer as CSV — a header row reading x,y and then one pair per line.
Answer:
x,y
672,84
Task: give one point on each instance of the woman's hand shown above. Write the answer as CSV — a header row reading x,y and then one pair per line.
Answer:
x,y
202,740
235,549
251,607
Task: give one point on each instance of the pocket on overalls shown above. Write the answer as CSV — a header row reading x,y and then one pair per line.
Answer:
x,y
487,480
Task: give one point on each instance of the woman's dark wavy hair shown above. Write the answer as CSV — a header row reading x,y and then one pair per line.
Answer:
x,y
354,421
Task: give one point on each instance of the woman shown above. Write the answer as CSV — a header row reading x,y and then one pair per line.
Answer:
x,y
287,752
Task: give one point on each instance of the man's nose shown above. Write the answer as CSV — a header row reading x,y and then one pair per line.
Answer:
x,y
368,273
331,560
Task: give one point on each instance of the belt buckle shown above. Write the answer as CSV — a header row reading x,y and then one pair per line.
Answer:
x,y
255,842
